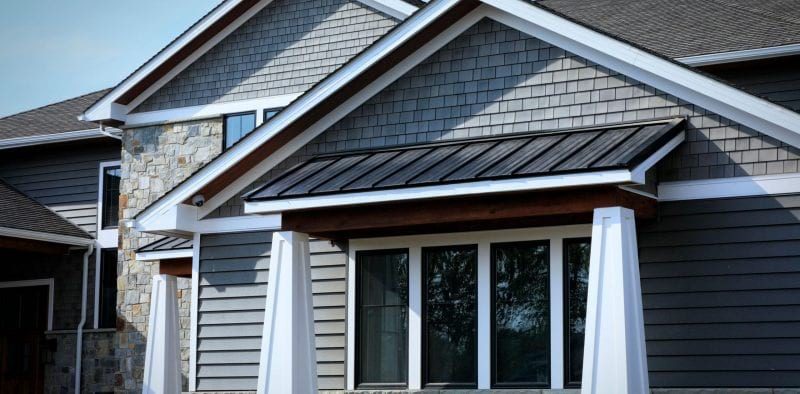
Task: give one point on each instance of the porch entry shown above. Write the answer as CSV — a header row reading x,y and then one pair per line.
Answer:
x,y
25,317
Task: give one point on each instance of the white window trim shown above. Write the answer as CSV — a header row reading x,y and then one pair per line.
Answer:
x,y
106,238
760,185
49,282
483,239
396,8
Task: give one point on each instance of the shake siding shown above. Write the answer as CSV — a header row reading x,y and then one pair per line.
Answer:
x,y
234,269
721,292
285,48
63,178
495,80
778,80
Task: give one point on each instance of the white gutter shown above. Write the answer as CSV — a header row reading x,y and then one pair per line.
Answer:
x,y
79,339
740,56
78,135
45,237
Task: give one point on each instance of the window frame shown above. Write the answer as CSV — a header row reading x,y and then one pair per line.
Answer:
x,y
493,315
225,126
101,195
358,289
264,117
424,317
565,287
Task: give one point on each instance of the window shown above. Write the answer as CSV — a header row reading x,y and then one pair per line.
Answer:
x,y
270,112
450,316
110,214
521,315
107,314
382,295
237,126
576,276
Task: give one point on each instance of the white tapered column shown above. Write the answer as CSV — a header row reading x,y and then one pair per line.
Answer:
x,y
614,356
288,352
162,365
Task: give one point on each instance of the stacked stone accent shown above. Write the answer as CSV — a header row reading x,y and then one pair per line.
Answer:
x,y
154,160
99,363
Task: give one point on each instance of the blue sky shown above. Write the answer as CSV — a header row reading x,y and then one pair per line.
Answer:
x,y
52,50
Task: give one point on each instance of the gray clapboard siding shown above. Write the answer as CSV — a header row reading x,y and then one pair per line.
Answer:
x,y
721,292
234,270
64,177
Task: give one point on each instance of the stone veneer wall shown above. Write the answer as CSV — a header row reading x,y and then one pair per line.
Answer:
x,y
154,160
99,364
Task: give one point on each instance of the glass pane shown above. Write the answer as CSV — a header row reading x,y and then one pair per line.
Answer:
x,y
576,255
233,130
111,177
248,123
108,289
522,313
451,314
268,113
383,317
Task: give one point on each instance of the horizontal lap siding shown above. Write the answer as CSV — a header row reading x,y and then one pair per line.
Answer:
x,y
234,269
721,292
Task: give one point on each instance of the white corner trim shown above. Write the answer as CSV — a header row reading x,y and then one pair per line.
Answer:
x,y
194,312
45,237
49,282
310,99
663,74
395,8
439,191
183,114
20,142
740,56
157,255
760,185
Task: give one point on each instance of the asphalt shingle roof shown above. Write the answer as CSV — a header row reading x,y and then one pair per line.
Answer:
x,y
679,28
20,212
51,119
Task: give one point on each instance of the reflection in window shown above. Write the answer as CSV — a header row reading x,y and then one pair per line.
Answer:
x,y
110,214
237,126
383,318
576,262
450,316
107,315
521,314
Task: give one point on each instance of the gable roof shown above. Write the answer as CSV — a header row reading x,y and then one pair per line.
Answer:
x,y
23,217
50,119
418,37
682,28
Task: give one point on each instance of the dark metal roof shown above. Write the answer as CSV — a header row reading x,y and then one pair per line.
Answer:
x,y
167,244
514,156
21,212
679,28
51,119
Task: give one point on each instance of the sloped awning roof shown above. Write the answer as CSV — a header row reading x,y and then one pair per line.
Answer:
x,y
23,217
591,156
165,248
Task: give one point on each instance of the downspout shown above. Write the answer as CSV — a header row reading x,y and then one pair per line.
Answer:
x,y
108,134
79,339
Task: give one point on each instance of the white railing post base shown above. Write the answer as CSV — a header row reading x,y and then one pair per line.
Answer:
x,y
162,365
288,351
615,359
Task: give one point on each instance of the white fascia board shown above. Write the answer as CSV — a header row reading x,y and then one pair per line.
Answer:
x,y
310,99
441,191
178,218
744,186
156,255
639,172
183,220
740,56
78,135
680,81
396,8
45,237
107,108
183,114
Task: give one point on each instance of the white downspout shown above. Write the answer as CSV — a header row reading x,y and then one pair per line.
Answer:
x,y
79,339
103,131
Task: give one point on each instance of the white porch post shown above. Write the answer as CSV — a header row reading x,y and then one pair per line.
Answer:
x,y
162,366
288,352
615,360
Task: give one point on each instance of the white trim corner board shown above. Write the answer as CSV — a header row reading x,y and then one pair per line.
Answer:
x,y
743,186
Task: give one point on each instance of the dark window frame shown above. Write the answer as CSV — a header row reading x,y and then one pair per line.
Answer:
x,y
266,110
493,319
105,200
359,385
424,321
565,287
225,127
101,307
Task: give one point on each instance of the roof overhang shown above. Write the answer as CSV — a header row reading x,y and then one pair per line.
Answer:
x,y
68,136
45,237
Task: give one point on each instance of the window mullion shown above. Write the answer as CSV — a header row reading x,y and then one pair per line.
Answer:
x,y
484,315
557,313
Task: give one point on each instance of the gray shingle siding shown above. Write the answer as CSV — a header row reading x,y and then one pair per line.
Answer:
x,y
721,292
232,294
285,48
777,80
494,80
64,178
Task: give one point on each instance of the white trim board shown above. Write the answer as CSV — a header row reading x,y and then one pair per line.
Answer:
x,y
744,186
45,237
157,255
396,8
49,282
68,136
484,239
740,56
